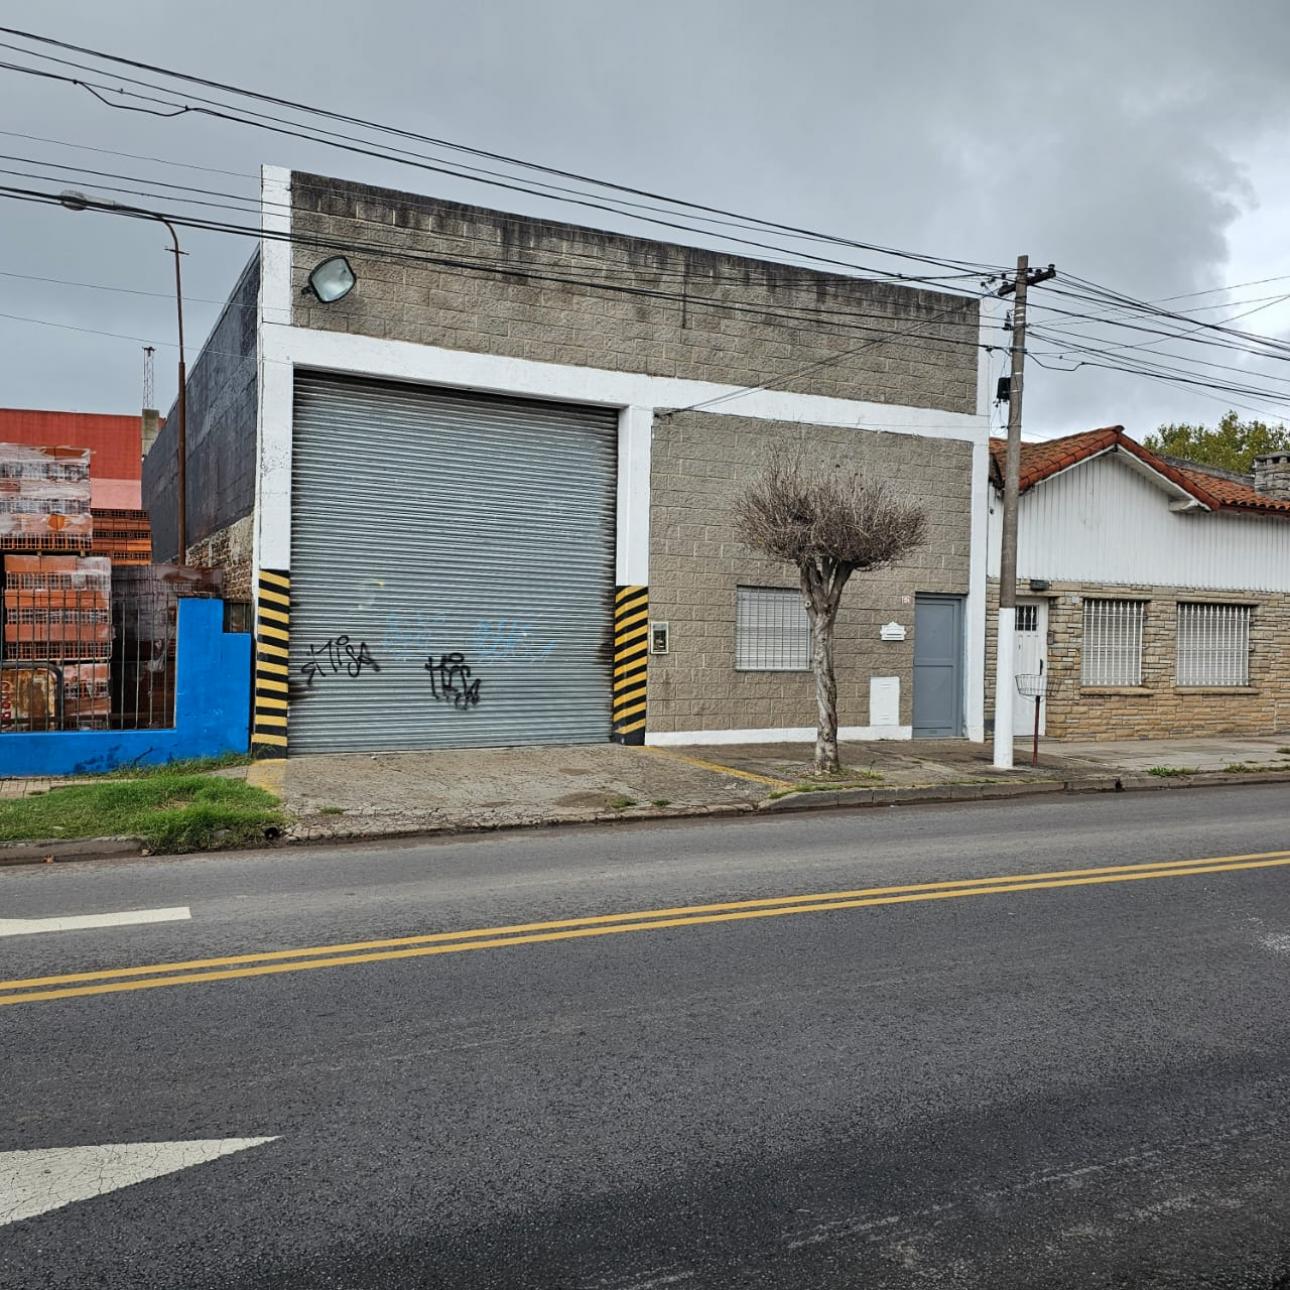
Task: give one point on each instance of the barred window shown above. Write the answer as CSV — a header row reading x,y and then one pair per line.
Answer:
x,y
772,631
1112,642
1213,644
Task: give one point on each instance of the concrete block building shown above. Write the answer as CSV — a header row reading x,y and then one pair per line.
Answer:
x,y
484,498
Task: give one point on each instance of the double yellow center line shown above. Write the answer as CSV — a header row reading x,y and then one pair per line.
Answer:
x,y
157,976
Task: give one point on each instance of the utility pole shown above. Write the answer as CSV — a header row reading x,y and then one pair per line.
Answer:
x,y
1005,681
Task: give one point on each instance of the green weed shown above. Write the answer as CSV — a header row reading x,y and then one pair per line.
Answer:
x,y
166,811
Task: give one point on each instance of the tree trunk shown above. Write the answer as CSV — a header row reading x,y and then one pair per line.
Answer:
x,y
826,695
822,591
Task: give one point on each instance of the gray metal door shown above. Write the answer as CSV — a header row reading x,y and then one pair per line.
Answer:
x,y
938,666
452,568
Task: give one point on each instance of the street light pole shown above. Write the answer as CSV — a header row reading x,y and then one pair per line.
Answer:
x,y
79,202
181,410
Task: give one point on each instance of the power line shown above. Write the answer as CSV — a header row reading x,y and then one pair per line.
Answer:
x,y
250,205
1092,292
133,156
279,125
477,152
103,286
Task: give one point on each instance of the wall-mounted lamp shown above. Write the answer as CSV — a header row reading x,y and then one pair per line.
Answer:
x,y
331,281
1039,584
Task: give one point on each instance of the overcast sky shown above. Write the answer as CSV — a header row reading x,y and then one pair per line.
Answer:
x,y
1142,145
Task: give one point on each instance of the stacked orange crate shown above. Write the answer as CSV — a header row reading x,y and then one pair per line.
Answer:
x,y
45,499
58,610
125,537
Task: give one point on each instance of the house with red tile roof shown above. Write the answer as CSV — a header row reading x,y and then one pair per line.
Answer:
x,y
1153,593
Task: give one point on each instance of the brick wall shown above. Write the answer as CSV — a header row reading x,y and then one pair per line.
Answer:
x,y
1159,708
228,550
773,320
699,463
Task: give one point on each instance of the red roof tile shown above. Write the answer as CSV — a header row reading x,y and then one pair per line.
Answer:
x,y
1041,460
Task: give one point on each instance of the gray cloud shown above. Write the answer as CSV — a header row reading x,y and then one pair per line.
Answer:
x,y
1126,143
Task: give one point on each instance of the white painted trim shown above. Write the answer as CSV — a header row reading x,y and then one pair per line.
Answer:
x,y
1163,482
771,735
272,544
275,252
399,360
635,433
271,534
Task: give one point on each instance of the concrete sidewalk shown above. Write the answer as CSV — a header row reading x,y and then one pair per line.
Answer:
x,y
1216,752
371,795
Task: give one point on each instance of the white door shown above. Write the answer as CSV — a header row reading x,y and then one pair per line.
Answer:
x,y
1032,661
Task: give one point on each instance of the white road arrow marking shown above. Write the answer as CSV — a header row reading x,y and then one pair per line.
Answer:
x,y
33,1182
73,922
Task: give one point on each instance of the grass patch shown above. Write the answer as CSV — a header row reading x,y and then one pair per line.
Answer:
x,y
621,803
1253,768
167,811
661,801
192,766
331,810
826,784
1169,772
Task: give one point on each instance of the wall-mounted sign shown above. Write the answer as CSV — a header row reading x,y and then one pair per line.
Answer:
x,y
659,638
891,632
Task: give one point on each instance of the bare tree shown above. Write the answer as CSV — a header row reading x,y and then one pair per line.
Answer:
x,y
828,525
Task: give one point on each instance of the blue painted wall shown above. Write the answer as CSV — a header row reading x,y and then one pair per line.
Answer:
x,y
212,710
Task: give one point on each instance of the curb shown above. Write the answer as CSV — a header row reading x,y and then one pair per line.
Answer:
x,y
1104,783
21,853
898,796
15,853
423,829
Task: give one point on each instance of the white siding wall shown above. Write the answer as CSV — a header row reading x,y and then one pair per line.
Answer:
x,y
1103,522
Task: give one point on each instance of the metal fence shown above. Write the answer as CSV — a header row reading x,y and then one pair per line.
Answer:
x,y
88,648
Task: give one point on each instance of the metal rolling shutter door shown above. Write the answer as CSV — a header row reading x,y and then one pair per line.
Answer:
x,y
429,523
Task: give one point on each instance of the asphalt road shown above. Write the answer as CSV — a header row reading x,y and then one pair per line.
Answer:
x,y
1076,1080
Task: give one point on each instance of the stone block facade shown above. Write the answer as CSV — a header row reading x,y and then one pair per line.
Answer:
x,y
699,463
564,294
1158,708
228,550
